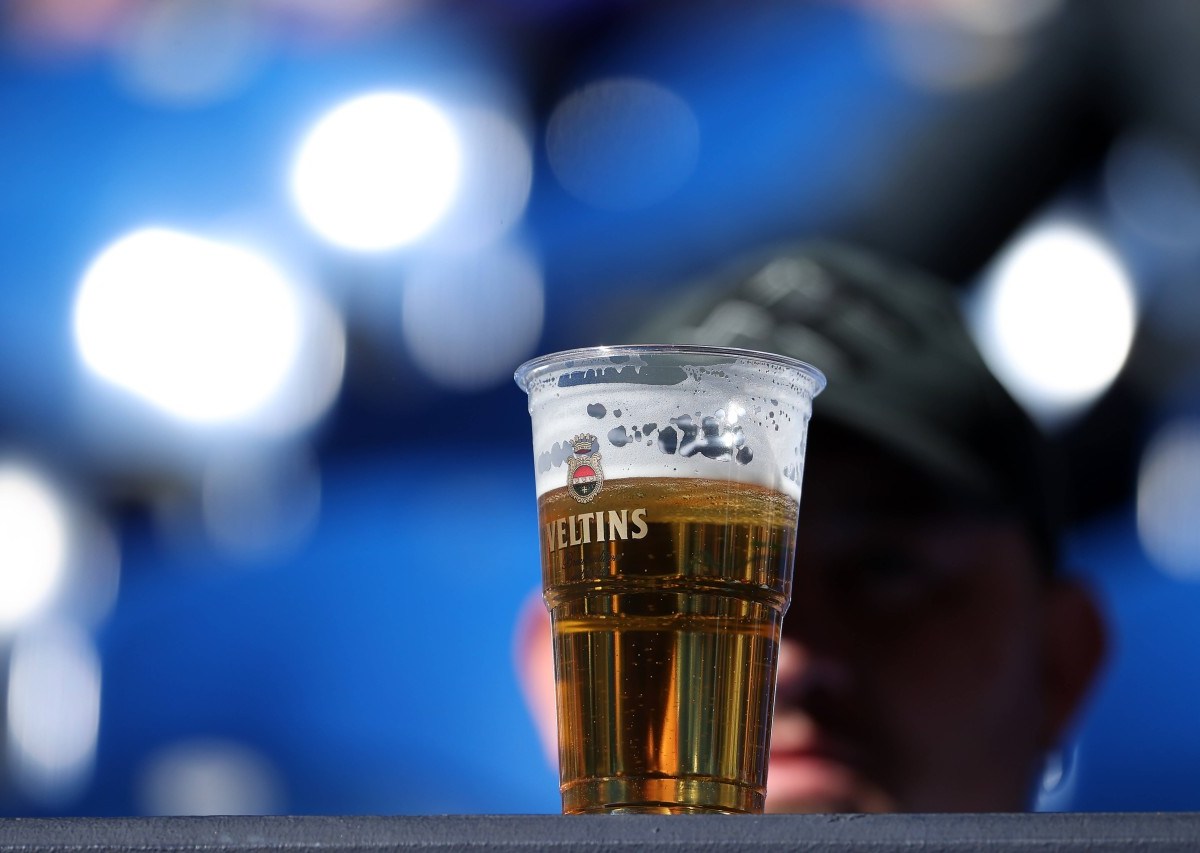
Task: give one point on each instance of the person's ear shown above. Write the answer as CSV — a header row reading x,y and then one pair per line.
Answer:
x,y
534,659
1076,646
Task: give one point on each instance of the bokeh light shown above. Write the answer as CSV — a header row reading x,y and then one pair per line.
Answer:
x,y
989,17
61,25
960,44
939,55
1056,788
1055,317
53,711
189,52
210,776
1153,185
496,177
468,321
331,20
260,504
93,576
34,537
1168,499
377,172
623,143
203,330
311,385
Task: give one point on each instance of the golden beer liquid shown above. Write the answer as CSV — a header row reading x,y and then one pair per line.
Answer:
x,y
666,645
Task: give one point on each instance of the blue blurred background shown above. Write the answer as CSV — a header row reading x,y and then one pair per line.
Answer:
x,y
266,267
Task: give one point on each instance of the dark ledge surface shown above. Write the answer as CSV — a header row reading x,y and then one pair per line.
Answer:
x,y
842,833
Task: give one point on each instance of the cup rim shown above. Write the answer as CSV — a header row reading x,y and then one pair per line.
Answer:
x,y
527,372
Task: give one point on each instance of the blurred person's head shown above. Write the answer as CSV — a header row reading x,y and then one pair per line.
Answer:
x,y
934,651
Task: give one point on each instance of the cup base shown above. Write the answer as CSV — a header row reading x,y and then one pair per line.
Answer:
x,y
661,795
647,809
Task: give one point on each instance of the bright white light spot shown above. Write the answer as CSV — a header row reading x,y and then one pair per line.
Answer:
x,y
260,504
189,52
497,173
33,544
377,172
206,331
622,144
1168,499
468,321
53,710
210,776
1055,318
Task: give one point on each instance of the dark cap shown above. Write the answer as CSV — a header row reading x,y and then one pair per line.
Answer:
x,y
902,367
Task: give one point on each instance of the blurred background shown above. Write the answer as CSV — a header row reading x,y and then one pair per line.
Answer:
x,y
266,267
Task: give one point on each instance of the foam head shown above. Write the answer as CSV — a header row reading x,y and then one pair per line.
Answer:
x,y
665,411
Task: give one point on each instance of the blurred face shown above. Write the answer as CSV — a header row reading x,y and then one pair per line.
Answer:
x,y
911,670
925,665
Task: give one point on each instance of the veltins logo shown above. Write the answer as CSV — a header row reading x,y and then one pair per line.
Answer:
x,y
585,477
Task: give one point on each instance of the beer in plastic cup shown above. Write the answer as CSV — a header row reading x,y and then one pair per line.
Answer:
x,y
668,487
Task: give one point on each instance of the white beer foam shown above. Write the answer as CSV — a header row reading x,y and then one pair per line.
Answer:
x,y
742,421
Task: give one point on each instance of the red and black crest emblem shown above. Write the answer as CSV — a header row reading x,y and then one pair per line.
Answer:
x,y
585,477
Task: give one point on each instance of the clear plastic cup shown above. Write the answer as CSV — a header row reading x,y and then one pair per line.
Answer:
x,y
668,487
